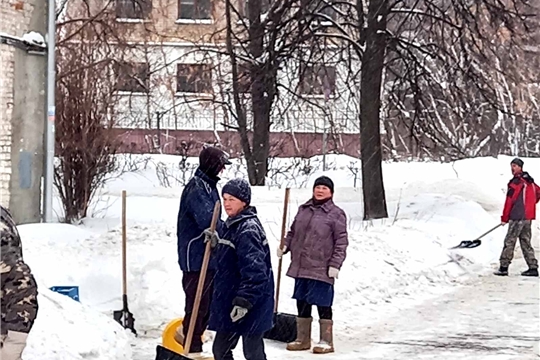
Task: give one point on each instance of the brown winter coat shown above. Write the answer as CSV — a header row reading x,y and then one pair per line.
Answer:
x,y
317,240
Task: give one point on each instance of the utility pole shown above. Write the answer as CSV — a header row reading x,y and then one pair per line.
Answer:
x,y
51,114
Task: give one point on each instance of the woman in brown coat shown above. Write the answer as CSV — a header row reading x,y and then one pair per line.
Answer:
x,y
318,243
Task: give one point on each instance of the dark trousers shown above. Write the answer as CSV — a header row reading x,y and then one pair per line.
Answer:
x,y
190,280
304,310
225,343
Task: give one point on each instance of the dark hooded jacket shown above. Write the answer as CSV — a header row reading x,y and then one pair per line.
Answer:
x,y
243,278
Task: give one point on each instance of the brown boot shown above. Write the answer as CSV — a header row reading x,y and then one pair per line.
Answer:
x,y
303,336
326,345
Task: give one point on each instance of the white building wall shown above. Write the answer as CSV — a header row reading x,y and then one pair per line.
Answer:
x,y
208,111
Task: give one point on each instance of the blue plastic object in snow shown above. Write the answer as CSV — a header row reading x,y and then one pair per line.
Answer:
x,y
71,291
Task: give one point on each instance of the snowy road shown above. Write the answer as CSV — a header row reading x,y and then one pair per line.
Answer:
x,y
494,318
497,319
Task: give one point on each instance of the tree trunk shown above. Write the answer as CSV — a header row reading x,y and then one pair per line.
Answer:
x,y
260,97
261,148
263,79
240,111
370,105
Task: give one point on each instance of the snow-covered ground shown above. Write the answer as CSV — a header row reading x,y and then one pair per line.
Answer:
x,y
392,265
496,319
66,330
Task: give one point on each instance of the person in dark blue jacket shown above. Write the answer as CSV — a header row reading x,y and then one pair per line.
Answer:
x,y
243,299
194,217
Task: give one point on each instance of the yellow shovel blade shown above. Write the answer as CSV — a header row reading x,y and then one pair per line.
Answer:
x,y
167,338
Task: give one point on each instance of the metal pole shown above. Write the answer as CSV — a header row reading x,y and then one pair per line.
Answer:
x,y
51,113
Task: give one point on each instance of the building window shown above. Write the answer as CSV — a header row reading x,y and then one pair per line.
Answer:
x,y
194,78
132,77
133,9
315,79
194,9
243,8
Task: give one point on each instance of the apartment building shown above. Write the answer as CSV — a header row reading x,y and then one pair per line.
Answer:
x,y
175,85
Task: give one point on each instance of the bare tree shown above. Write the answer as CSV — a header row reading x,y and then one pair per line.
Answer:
x,y
451,74
85,103
276,52
370,105
269,54
434,74
414,48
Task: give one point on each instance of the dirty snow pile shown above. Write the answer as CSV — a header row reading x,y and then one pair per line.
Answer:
x,y
391,264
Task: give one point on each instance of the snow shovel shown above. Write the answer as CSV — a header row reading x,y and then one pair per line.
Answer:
x,y
124,316
166,354
469,244
284,329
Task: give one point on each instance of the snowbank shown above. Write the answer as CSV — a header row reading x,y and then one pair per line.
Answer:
x,y
390,265
68,330
93,262
161,175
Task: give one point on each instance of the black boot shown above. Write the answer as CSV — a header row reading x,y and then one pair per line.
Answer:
x,y
530,272
503,271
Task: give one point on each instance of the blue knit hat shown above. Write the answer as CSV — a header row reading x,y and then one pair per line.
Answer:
x,y
239,188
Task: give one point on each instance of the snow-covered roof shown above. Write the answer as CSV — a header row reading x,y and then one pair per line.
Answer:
x,y
31,39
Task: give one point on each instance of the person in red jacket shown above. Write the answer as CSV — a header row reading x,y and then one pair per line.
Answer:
x,y
519,211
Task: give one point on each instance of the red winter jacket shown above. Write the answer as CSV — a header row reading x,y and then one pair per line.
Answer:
x,y
521,199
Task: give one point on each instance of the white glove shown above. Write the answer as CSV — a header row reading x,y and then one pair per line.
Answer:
x,y
333,272
280,251
237,313
211,236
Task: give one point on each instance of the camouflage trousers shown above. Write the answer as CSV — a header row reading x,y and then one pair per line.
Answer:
x,y
13,345
521,230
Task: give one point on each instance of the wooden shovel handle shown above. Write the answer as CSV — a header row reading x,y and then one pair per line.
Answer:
x,y
202,278
281,244
124,244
